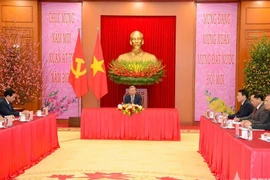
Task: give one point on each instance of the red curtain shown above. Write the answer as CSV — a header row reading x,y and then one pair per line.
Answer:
x,y
159,39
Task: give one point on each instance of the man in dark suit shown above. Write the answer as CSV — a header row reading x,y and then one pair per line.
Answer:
x,y
259,114
6,107
132,97
246,107
264,125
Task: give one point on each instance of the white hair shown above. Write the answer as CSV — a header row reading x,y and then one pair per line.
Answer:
x,y
132,87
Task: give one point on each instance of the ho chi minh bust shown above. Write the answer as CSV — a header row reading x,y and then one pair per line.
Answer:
x,y
137,54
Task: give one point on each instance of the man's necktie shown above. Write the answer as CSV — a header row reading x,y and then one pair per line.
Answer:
x,y
255,110
9,106
240,107
132,99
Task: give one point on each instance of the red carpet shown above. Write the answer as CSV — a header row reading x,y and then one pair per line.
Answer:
x,y
102,175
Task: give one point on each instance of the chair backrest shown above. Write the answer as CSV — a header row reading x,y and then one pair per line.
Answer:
x,y
124,97
141,97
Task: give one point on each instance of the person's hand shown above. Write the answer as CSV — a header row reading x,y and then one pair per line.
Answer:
x,y
25,112
242,123
236,119
247,124
1,118
225,115
224,118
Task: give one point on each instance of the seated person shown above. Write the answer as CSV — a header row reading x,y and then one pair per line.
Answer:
x,y
132,97
6,107
264,125
246,108
259,114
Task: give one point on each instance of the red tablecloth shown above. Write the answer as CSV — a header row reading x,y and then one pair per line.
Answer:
x,y
150,124
228,156
25,144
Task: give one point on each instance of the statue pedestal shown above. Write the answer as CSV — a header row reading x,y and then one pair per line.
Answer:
x,y
143,93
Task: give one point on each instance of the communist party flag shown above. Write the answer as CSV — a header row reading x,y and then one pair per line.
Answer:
x,y
97,75
78,76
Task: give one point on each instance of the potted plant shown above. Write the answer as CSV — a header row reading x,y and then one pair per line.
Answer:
x,y
20,66
257,76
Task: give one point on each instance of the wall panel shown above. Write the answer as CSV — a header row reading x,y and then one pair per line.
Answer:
x,y
257,15
21,14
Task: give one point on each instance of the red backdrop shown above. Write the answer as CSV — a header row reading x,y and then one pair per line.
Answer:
x,y
159,39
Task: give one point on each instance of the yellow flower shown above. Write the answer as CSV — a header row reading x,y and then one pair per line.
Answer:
x,y
218,105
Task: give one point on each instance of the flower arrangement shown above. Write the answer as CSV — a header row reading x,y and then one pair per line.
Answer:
x,y
136,72
216,104
257,76
56,104
20,66
129,109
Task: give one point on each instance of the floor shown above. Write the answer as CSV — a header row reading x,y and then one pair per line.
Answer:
x,y
119,159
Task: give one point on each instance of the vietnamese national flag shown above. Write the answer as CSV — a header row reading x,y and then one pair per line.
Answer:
x,y
78,76
97,75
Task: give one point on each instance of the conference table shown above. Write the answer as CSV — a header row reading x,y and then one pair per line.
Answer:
x,y
26,143
149,124
233,158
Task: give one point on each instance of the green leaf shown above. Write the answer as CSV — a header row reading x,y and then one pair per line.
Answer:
x,y
257,76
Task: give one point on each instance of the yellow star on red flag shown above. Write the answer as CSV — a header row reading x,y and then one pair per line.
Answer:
x,y
98,81
97,66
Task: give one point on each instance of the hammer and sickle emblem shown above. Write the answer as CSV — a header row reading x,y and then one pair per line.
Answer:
x,y
78,71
